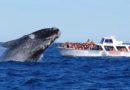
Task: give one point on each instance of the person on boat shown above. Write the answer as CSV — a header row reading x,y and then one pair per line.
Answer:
x,y
82,46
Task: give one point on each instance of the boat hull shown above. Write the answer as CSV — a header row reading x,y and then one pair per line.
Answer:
x,y
73,52
91,53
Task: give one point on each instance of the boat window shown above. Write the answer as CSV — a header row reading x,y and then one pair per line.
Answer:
x,y
122,48
108,41
97,47
102,40
109,48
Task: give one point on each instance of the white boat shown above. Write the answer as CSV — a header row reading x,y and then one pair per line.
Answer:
x,y
109,46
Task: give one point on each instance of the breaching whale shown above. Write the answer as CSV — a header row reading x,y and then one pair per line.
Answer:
x,y
30,47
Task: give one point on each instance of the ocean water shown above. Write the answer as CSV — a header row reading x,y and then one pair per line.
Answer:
x,y
55,72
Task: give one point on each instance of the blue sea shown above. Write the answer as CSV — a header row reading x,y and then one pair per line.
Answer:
x,y
55,72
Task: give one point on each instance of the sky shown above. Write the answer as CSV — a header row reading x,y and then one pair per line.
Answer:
x,y
78,20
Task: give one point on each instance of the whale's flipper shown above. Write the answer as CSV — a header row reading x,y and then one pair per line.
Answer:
x,y
14,43
31,46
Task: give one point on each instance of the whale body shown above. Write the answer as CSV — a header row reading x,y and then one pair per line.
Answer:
x,y
29,47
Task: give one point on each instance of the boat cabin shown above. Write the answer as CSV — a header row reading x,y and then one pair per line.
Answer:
x,y
110,41
111,44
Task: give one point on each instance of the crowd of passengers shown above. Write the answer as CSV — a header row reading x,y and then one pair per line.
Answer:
x,y
79,46
90,45
121,49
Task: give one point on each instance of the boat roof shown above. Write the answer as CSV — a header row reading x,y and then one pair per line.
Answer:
x,y
112,41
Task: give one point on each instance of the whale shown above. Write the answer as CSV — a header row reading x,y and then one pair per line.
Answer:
x,y
30,47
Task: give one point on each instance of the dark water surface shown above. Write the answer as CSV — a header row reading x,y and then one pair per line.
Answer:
x,y
55,72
